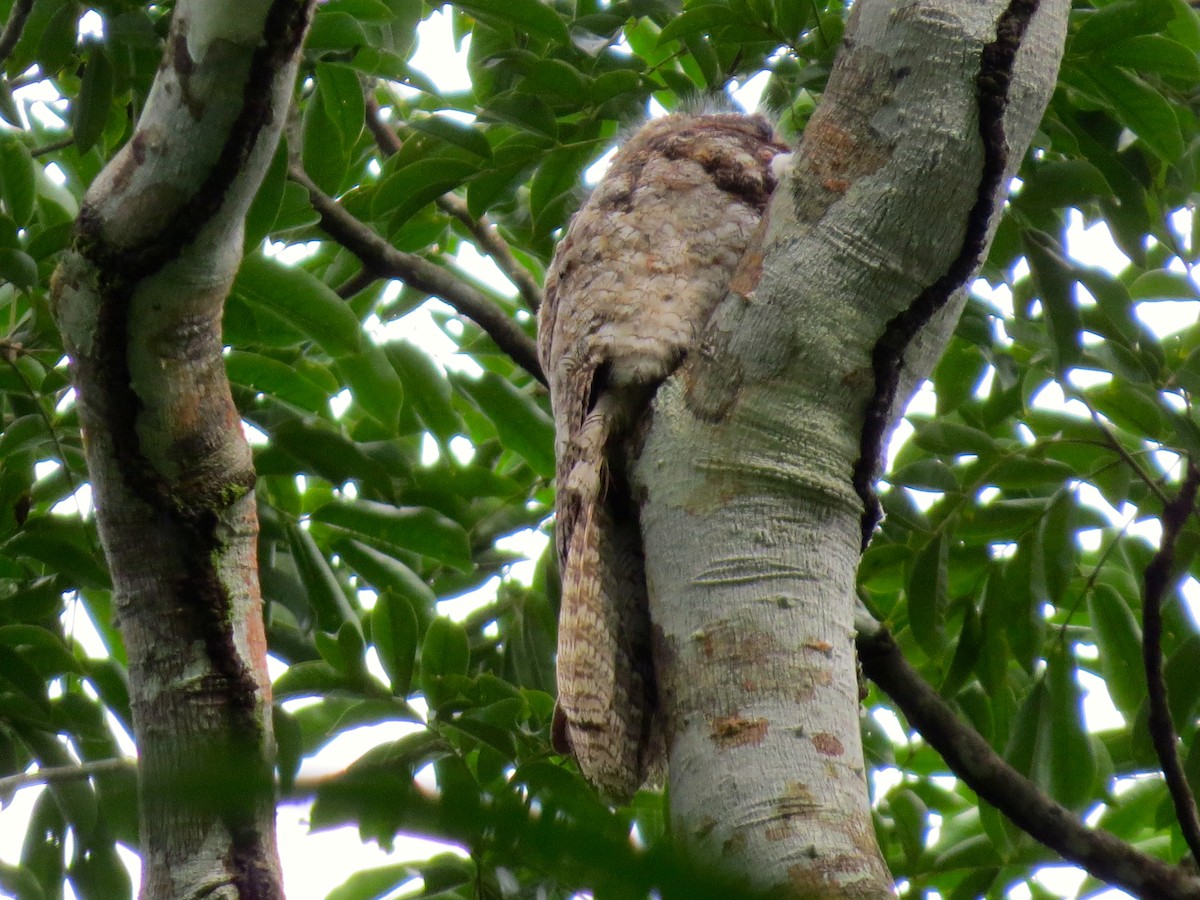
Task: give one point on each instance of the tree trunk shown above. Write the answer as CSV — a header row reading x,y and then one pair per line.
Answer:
x,y
758,470
139,299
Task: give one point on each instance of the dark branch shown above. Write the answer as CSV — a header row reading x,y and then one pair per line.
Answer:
x,y
386,261
972,759
13,28
53,146
355,283
487,237
1158,578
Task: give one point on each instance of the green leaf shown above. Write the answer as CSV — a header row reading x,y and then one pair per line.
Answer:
x,y
42,853
457,134
553,76
1141,109
394,630
528,112
25,434
927,475
699,20
1117,22
445,651
1054,278
1119,640
20,883
97,872
41,648
363,10
520,422
279,379
1056,546
374,383
264,210
9,111
389,575
313,678
370,884
1163,283
342,96
1072,759
325,593
942,436
426,387
1063,182
416,529
911,816
19,180
1027,750
18,268
90,111
325,160
303,300
927,594
530,16
1155,53
1132,407
411,187
316,447
555,187
335,30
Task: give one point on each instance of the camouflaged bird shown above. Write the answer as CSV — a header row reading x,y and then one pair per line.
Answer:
x,y
633,282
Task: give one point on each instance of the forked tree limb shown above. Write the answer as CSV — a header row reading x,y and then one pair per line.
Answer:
x,y
1158,579
1103,855
487,237
381,258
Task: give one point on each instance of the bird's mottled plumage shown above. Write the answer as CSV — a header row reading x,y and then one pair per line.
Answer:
x,y
641,268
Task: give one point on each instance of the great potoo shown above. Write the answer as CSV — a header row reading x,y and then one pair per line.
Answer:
x,y
642,266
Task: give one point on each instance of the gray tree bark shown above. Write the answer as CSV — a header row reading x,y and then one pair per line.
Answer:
x,y
758,470
139,298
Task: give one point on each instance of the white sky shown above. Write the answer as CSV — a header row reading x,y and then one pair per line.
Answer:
x,y
314,863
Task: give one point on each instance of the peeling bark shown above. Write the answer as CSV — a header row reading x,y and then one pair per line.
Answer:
x,y
758,469
139,299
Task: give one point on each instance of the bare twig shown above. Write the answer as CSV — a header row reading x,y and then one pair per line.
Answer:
x,y
971,758
356,283
52,147
1158,576
384,260
1118,447
65,773
486,235
13,28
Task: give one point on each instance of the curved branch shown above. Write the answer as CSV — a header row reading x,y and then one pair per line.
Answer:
x,y
485,233
382,258
13,28
56,774
1162,730
981,768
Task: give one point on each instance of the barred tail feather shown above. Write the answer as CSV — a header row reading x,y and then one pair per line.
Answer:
x,y
605,710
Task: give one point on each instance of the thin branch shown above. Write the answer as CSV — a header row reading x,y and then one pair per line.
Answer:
x,y
387,140
53,146
56,774
386,261
1158,577
971,758
486,235
1119,448
13,28
356,283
